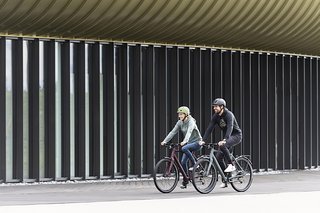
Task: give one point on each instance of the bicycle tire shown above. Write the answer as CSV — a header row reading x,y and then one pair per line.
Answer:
x,y
201,175
160,175
246,168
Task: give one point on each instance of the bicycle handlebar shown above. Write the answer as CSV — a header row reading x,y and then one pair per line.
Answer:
x,y
171,145
210,145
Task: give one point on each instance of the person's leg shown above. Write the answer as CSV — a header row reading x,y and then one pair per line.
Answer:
x,y
226,153
232,141
189,148
184,162
220,156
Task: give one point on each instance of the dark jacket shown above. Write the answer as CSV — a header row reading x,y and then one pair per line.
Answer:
x,y
227,123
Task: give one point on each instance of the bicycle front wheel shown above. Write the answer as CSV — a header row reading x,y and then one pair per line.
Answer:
x,y
166,175
204,178
242,178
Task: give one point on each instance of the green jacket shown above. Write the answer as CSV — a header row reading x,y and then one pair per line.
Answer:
x,y
188,128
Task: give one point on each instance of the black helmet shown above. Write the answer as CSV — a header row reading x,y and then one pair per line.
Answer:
x,y
219,102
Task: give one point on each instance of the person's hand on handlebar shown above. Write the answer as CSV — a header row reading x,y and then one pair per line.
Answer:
x,y
163,143
183,143
221,143
201,142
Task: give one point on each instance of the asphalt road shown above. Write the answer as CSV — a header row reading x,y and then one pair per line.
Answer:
x,y
101,191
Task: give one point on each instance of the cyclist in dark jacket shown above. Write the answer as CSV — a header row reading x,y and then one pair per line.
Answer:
x,y
227,122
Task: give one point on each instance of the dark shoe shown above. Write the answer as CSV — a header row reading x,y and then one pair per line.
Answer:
x,y
184,185
223,185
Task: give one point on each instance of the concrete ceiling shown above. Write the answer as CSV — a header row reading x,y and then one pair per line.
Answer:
x,y
290,26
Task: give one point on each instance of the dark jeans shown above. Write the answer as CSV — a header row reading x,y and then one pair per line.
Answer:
x,y
187,154
225,150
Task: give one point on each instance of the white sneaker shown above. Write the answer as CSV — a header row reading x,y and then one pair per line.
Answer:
x,y
191,168
223,185
230,168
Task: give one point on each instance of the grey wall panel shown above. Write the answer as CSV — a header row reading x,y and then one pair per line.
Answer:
x,y
287,122
294,112
17,105
121,72
65,109
148,108
308,118
79,88
217,78
50,108
314,113
236,92
108,70
172,70
318,111
161,112
195,85
247,107
255,110
94,107
206,91
279,111
264,111
227,86
33,88
3,109
271,111
302,113
184,77
135,109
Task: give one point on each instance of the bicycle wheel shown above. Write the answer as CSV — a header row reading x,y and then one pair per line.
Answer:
x,y
164,177
204,178
242,178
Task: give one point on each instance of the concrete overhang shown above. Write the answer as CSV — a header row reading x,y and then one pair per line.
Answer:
x,y
288,26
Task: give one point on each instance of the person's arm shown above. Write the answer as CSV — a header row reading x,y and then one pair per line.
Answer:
x,y
209,129
173,132
230,120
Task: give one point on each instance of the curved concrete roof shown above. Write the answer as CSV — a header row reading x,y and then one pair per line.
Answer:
x,y
290,26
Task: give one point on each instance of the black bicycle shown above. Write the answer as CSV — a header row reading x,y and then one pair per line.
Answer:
x,y
207,168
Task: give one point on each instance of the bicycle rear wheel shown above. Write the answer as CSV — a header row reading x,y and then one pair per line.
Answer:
x,y
204,178
166,175
242,178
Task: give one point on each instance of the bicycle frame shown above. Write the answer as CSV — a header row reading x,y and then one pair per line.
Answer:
x,y
174,159
214,161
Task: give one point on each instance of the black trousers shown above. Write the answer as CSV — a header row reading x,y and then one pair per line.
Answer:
x,y
224,153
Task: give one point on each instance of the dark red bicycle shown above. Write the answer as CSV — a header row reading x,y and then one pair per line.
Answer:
x,y
166,172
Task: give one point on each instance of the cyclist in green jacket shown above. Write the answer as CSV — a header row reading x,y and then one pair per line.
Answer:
x,y
187,125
